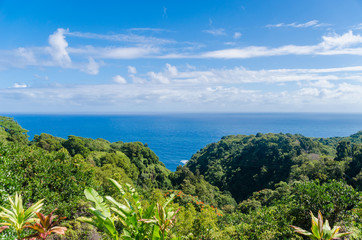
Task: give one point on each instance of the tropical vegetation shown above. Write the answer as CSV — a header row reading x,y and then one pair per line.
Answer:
x,y
242,187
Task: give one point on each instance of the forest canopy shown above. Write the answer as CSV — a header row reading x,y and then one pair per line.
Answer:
x,y
241,187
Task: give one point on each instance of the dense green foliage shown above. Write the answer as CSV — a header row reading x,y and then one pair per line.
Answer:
x,y
242,187
245,164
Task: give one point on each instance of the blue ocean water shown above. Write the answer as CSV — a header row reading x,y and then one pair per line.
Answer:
x,y
175,137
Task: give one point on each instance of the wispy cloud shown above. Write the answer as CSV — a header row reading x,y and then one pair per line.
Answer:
x,y
164,15
239,75
26,54
237,35
89,58
131,38
224,89
216,32
330,45
343,97
20,85
146,29
92,67
313,23
358,26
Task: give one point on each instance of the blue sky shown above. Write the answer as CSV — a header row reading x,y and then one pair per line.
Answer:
x,y
180,56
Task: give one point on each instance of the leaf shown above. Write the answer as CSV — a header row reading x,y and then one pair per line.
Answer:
x,y
320,223
45,226
126,235
118,186
170,199
109,225
3,228
148,220
156,232
59,230
88,220
126,210
36,207
301,231
339,235
92,195
150,211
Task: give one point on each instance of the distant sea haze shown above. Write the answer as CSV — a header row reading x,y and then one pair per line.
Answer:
x,y
175,137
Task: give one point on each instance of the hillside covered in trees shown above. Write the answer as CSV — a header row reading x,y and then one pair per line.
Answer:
x,y
242,187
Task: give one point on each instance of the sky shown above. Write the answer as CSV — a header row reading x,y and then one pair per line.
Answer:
x,y
168,56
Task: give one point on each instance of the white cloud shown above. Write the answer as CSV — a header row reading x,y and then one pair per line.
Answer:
x,y
27,54
314,92
132,70
340,41
126,53
164,15
254,51
348,43
171,69
180,97
20,85
330,45
318,78
130,38
92,67
322,84
216,32
149,29
188,66
115,52
230,43
313,23
358,26
119,79
210,90
58,47
37,76
158,78
62,55
237,35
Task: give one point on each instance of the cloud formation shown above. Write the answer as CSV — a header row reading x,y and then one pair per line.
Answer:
x,y
92,67
119,79
229,90
130,38
89,58
216,32
330,45
237,35
58,47
20,85
313,23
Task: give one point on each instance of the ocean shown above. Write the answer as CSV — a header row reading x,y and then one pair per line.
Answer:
x,y
176,137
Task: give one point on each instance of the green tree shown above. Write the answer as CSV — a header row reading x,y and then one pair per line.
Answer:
x,y
343,150
15,133
76,145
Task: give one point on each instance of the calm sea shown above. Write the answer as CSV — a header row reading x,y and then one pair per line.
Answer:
x,y
175,137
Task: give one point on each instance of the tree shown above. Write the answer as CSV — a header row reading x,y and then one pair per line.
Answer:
x,y
15,132
75,145
343,150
